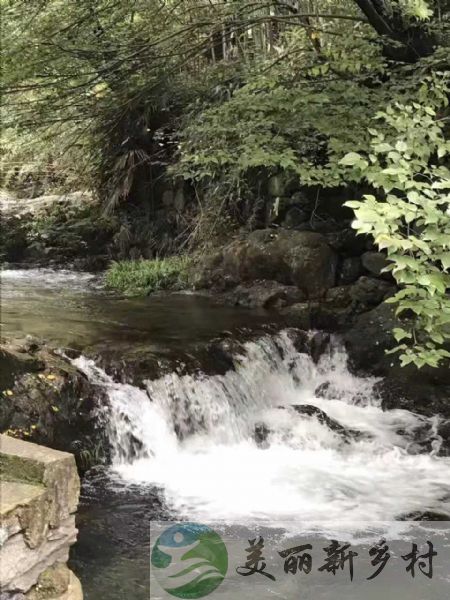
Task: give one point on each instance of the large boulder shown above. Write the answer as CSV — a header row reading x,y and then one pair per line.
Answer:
x,y
368,292
299,258
47,400
370,337
375,263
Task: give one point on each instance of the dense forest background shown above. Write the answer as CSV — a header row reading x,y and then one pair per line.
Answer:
x,y
228,103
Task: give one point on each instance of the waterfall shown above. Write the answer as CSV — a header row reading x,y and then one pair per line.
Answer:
x,y
277,438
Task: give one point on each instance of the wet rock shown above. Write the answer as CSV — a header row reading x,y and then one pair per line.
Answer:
x,y
295,217
137,364
318,344
369,338
347,242
302,259
422,439
218,356
324,419
134,365
410,390
375,262
265,294
14,361
367,342
368,292
425,516
315,344
261,435
315,315
443,432
300,315
53,403
339,296
330,391
350,270
323,390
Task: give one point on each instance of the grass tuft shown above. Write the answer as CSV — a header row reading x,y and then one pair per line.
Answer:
x,y
142,277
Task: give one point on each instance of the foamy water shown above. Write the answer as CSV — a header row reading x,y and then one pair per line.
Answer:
x,y
194,436
47,277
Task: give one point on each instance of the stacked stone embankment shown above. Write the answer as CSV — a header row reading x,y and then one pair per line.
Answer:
x,y
39,491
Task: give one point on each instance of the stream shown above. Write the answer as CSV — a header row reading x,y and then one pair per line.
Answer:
x,y
275,440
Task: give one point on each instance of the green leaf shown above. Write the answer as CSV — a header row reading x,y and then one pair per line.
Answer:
x,y
350,159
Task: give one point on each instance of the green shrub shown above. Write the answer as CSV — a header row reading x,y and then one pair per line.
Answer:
x,y
409,217
142,277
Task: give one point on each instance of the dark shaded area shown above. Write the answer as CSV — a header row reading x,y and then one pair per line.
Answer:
x,y
112,555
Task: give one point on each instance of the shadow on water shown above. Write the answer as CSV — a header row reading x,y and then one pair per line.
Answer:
x,y
114,536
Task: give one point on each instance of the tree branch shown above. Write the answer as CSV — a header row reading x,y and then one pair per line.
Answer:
x,y
375,18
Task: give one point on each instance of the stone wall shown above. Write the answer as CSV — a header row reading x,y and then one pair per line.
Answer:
x,y
39,490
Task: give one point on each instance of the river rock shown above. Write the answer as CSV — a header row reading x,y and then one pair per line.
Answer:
x,y
415,391
265,294
49,401
350,270
315,344
367,292
375,262
339,296
367,342
15,361
347,242
295,217
314,315
261,435
368,339
313,411
443,431
299,258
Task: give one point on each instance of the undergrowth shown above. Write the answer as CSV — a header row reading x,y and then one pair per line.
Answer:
x,y
142,277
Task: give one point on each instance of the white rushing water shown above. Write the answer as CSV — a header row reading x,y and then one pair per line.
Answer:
x,y
194,436
46,278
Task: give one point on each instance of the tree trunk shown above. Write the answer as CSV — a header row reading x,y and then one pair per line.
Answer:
x,y
413,40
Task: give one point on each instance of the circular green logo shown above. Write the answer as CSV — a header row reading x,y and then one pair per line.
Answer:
x,y
189,560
